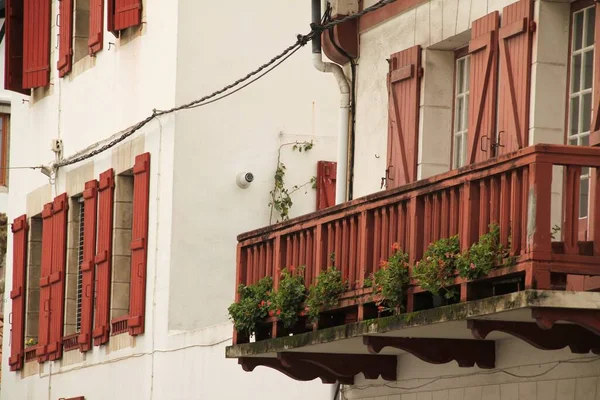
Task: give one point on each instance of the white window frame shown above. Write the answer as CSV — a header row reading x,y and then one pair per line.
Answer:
x,y
460,130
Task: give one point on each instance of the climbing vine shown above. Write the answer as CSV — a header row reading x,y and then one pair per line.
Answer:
x,y
281,197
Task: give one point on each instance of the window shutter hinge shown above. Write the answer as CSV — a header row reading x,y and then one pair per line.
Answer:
x,y
420,72
532,26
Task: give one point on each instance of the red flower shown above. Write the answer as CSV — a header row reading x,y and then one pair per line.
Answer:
x,y
262,303
302,314
292,269
306,309
384,264
278,312
396,246
268,303
271,313
380,308
472,266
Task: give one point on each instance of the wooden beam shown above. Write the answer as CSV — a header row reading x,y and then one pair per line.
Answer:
x,y
547,317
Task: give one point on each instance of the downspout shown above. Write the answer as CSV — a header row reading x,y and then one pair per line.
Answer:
x,y
340,77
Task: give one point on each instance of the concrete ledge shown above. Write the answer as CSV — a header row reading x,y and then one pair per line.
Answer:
x,y
438,322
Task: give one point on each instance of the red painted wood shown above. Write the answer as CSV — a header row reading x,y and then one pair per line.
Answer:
x,y
404,87
127,13
595,128
515,41
505,205
36,43
20,229
483,77
540,182
484,206
103,258
139,244
110,17
90,196
13,57
571,210
96,32
469,233
326,181
57,277
515,215
65,45
45,272
595,211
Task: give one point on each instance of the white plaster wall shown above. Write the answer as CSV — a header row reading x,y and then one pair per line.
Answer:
x,y
196,210
522,373
439,24
241,133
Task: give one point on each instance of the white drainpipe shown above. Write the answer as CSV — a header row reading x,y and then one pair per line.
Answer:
x,y
340,77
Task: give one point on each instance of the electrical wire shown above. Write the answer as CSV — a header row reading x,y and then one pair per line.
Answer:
x,y
248,79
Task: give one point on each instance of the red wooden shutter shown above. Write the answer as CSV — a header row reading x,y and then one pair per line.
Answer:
x,y
326,179
139,244
482,99
515,40
404,85
106,190
36,44
65,50
126,13
13,61
17,294
90,201
96,38
57,277
46,271
595,128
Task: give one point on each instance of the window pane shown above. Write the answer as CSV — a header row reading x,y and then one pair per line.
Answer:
x,y
459,114
466,113
457,150
590,29
465,142
573,142
576,74
467,72
577,30
588,69
586,112
574,116
585,141
583,198
460,75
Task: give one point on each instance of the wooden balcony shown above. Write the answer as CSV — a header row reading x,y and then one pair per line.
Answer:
x,y
514,191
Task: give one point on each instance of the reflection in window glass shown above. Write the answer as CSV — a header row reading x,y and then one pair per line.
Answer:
x,y
461,109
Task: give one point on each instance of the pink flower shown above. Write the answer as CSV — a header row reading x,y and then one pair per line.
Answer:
x,y
262,303
278,312
396,246
384,264
380,308
271,313
472,266
292,269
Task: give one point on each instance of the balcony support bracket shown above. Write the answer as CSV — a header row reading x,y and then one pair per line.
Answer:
x,y
439,351
300,371
578,339
586,318
345,365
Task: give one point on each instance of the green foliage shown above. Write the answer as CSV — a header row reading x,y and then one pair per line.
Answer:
x,y
286,302
281,197
325,293
391,280
555,232
435,271
30,342
253,306
483,256
367,283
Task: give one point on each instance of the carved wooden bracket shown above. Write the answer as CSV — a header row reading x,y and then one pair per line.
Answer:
x,y
579,340
346,365
547,317
439,351
300,372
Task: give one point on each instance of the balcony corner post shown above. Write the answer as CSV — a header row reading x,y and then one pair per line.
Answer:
x,y
539,240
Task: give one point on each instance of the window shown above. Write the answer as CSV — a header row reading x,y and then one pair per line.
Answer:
x,y
580,90
121,263
461,108
34,268
81,29
74,260
4,125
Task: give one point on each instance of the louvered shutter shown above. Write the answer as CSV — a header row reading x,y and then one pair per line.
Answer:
x,y
65,49
125,14
46,271
103,259
36,43
403,116
139,244
595,129
96,32
57,277
13,61
483,90
90,201
17,294
326,181
515,41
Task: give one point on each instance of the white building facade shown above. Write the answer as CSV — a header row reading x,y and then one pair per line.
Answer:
x,y
167,199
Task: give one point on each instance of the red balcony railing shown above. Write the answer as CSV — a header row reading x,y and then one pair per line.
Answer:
x,y
513,190
118,325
